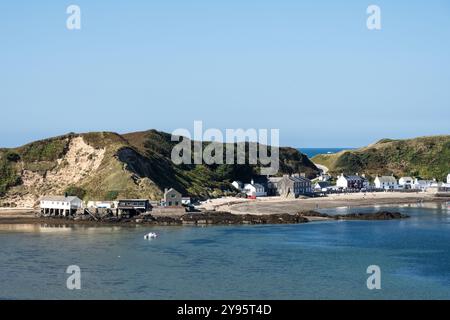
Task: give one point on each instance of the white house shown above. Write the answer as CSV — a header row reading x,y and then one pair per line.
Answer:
x,y
322,186
447,185
60,205
352,182
254,190
238,185
406,182
423,184
386,182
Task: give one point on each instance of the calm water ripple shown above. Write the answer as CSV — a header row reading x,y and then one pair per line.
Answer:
x,y
320,260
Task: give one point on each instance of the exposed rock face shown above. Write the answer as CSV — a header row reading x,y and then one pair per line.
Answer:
x,y
79,161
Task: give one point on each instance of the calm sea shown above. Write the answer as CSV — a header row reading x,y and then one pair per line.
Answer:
x,y
322,260
311,152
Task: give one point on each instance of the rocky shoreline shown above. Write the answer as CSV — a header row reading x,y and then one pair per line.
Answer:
x,y
211,218
197,218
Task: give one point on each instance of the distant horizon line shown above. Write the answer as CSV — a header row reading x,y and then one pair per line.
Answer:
x,y
327,147
122,132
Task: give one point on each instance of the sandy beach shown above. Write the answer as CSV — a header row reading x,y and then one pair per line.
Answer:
x,y
270,205
263,206
8,213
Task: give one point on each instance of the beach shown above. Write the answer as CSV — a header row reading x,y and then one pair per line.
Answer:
x,y
272,205
259,206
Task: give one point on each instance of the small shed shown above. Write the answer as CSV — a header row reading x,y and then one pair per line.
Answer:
x,y
133,206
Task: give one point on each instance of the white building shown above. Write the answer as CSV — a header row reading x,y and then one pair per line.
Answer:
x,y
386,182
352,182
448,178
423,184
322,186
186,201
254,190
406,182
102,204
238,185
60,205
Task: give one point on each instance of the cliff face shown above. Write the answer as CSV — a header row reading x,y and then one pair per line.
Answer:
x,y
426,157
105,165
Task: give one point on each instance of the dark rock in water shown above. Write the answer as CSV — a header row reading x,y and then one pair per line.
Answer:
x,y
226,218
312,213
216,217
380,215
166,221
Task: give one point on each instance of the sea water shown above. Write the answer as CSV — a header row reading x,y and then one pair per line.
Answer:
x,y
317,260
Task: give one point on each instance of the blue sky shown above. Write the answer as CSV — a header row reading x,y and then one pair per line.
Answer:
x,y
309,68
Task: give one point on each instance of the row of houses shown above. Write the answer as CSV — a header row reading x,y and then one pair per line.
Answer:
x,y
358,182
286,186
69,205
405,183
296,184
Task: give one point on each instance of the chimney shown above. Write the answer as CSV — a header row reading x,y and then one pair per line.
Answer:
x,y
66,195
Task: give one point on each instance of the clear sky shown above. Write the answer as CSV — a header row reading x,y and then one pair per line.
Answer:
x,y
309,68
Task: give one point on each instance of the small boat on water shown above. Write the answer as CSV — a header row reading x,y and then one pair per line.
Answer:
x,y
150,235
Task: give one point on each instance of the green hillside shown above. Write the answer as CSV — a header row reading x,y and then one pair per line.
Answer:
x,y
426,157
106,165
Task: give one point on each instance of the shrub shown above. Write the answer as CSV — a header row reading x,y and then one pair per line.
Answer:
x,y
76,192
111,195
12,156
8,176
